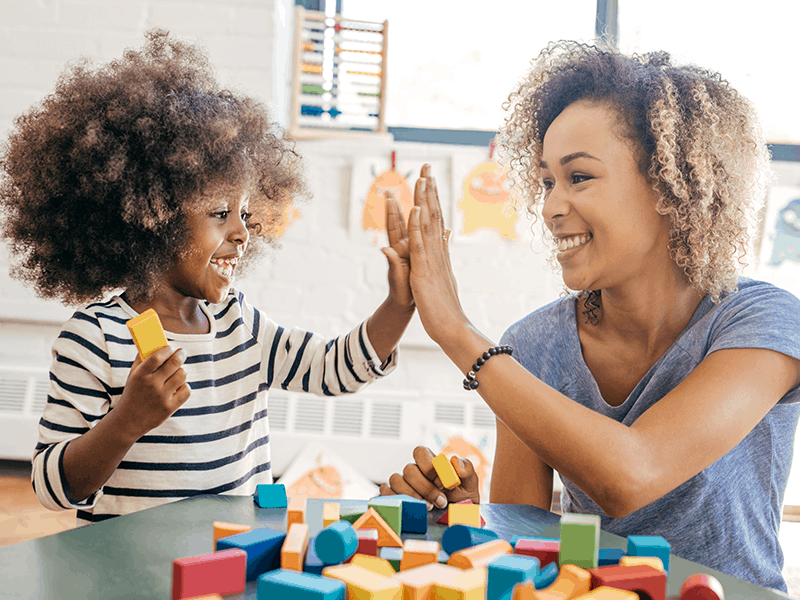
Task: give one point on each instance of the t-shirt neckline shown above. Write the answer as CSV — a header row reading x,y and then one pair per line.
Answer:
x,y
180,337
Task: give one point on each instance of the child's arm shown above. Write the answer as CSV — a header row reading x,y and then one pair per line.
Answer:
x,y
388,323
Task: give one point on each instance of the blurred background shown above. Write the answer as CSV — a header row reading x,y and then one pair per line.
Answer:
x,y
444,71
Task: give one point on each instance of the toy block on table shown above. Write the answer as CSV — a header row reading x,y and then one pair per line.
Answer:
x,y
390,508
580,540
480,555
649,545
609,556
609,593
464,514
290,585
393,555
312,563
546,576
351,514
271,495
516,539
336,543
469,584
147,332
701,586
295,546
437,581
374,563
386,535
504,572
263,548
367,541
545,549
446,471
572,582
415,514
653,561
363,584
642,579
222,530
296,511
417,553
444,518
330,513
214,573
458,537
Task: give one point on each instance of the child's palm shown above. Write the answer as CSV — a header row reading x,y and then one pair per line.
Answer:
x,y
398,254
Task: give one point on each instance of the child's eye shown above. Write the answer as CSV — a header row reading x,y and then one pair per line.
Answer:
x,y
246,216
222,214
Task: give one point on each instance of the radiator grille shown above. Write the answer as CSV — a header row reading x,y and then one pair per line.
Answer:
x,y
310,415
386,420
348,417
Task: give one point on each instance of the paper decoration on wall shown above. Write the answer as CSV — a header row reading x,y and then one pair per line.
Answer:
x,y
291,215
374,214
786,241
477,446
486,201
318,472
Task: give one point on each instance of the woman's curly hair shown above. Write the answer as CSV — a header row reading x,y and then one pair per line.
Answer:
x,y
700,145
98,179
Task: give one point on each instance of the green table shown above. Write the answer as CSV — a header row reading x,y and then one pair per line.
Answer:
x,y
131,556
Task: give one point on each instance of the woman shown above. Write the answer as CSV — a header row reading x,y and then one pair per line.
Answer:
x,y
665,391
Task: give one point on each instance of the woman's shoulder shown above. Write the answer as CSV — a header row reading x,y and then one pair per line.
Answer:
x,y
759,296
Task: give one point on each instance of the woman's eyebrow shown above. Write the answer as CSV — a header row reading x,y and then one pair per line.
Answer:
x,y
569,158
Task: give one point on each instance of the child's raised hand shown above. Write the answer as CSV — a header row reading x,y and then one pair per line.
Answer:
x,y
397,253
419,479
155,389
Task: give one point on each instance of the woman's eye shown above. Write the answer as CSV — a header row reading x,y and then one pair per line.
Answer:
x,y
578,178
547,183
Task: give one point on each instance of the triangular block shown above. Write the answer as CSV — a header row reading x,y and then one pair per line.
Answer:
x,y
386,535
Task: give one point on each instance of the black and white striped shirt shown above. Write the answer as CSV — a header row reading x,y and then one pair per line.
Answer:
x,y
218,441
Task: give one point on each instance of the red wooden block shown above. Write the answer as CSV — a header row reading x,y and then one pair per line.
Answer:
x,y
634,578
444,518
702,587
367,541
545,550
220,573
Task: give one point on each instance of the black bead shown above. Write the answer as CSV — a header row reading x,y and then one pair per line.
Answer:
x,y
480,361
473,385
476,368
486,355
492,351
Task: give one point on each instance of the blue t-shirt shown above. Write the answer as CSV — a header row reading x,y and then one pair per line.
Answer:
x,y
727,516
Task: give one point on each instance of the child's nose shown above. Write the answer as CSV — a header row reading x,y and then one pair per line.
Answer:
x,y
240,234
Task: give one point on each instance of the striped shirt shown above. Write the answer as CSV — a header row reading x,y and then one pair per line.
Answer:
x,y
218,441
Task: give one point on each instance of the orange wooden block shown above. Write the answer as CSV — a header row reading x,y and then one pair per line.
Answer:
x,y
442,582
480,555
418,552
572,582
330,513
148,335
222,530
296,511
363,584
652,561
386,535
379,565
464,514
295,546
446,471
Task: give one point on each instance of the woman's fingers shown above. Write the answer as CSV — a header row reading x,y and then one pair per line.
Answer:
x,y
394,220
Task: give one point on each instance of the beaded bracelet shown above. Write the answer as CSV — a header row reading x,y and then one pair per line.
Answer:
x,y
470,383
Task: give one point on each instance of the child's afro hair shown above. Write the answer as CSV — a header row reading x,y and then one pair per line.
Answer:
x,y
97,180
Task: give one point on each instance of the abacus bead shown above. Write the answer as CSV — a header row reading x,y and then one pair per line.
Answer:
x,y
480,361
486,355
473,385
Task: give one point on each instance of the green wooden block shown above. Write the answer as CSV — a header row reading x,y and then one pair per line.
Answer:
x,y
390,509
352,513
580,540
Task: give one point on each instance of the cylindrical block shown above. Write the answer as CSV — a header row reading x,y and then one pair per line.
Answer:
x,y
336,543
480,555
457,537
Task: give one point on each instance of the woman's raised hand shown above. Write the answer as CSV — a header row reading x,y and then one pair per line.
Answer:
x,y
432,281
419,480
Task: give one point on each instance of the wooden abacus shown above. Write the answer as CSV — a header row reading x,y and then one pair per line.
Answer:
x,y
339,81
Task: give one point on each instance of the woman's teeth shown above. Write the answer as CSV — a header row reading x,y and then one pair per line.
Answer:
x,y
224,266
573,241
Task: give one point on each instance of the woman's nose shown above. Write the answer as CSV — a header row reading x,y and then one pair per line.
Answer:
x,y
555,204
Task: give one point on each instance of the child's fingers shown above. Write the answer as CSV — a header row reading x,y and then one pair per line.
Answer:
x,y
393,220
414,483
156,360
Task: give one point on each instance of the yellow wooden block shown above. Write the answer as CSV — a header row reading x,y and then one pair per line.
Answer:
x,y
480,555
652,561
222,530
465,585
418,583
296,511
446,472
363,584
148,335
295,545
464,514
330,513
417,553
379,565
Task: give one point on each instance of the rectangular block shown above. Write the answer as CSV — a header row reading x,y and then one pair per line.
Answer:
x,y
330,513
293,551
446,472
147,332
393,555
291,585
505,571
546,550
464,514
222,530
367,541
650,545
415,514
263,548
364,584
271,495
580,540
417,553
379,565
296,511
214,573
351,514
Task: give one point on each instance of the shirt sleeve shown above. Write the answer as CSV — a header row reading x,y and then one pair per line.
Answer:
x,y
760,316
76,401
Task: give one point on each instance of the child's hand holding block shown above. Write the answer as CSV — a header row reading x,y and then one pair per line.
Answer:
x,y
148,335
446,471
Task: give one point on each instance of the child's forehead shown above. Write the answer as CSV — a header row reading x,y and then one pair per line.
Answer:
x,y
222,194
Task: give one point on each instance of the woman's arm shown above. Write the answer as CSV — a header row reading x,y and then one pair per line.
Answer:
x,y
518,475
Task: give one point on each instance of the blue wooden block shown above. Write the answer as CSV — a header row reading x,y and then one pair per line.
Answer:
x,y
415,514
263,548
546,576
517,538
271,495
284,584
458,537
313,564
649,545
504,572
609,556
336,543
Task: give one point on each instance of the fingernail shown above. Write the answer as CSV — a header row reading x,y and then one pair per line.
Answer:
x,y
441,501
430,506
181,355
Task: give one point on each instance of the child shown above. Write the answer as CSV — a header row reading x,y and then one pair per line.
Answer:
x,y
144,177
